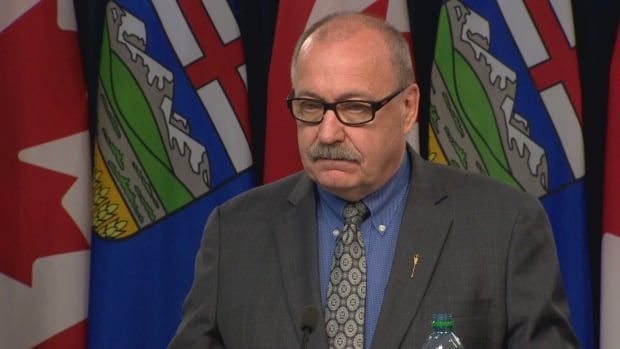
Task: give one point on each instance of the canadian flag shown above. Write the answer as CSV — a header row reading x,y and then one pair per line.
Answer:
x,y
610,252
294,16
45,177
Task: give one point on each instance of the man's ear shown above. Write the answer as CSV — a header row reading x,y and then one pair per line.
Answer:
x,y
411,96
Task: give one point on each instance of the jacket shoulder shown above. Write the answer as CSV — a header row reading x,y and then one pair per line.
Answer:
x,y
476,186
268,197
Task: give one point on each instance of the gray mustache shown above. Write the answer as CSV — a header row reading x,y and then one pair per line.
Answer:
x,y
335,151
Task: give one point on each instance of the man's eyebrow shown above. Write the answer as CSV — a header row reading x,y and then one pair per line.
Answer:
x,y
307,94
355,95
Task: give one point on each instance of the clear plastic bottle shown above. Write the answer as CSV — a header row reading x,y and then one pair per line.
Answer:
x,y
442,336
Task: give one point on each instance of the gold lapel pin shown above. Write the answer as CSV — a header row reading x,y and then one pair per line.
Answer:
x,y
415,261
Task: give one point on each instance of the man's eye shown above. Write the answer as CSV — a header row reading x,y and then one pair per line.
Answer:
x,y
355,108
310,106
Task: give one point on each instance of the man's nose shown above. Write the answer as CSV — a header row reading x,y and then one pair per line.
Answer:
x,y
331,130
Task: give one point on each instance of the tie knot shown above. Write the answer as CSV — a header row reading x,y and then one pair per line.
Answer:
x,y
355,213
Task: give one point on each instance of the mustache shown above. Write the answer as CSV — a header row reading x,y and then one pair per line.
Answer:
x,y
335,151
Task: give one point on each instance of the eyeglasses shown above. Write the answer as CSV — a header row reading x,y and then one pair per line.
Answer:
x,y
349,112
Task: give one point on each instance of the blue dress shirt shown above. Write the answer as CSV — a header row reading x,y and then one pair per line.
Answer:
x,y
380,233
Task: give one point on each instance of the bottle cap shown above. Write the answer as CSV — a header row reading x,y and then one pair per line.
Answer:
x,y
442,320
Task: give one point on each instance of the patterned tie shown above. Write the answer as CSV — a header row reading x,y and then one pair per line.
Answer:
x,y
346,290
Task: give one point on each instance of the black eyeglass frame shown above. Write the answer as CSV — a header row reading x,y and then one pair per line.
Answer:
x,y
375,106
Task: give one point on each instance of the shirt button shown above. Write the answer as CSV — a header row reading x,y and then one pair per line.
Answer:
x,y
335,233
381,228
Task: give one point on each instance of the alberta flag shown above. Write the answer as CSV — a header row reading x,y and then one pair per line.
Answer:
x,y
173,141
506,102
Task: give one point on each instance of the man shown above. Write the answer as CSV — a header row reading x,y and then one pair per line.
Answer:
x,y
415,239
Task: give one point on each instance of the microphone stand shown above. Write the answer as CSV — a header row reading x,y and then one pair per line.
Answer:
x,y
305,337
309,317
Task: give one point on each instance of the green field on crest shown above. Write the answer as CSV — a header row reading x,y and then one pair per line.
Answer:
x,y
138,124
476,114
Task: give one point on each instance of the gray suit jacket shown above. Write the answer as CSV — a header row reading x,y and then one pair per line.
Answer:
x,y
487,257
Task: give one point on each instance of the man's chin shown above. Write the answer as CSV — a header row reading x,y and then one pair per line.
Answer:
x,y
337,179
343,187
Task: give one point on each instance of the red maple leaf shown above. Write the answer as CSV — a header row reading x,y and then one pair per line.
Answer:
x,y
42,95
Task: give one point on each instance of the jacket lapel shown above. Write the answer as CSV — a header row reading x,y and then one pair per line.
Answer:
x,y
426,223
296,236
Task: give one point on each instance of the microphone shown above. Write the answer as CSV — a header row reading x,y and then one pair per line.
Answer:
x,y
309,317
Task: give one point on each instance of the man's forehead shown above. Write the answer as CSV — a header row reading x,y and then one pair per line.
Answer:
x,y
366,43
353,92
343,31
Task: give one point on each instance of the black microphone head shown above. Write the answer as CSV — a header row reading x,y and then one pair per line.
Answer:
x,y
309,317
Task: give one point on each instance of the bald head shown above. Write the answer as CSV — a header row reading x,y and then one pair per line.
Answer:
x,y
343,26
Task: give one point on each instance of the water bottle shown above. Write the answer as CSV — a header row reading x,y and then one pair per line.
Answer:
x,y
442,336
